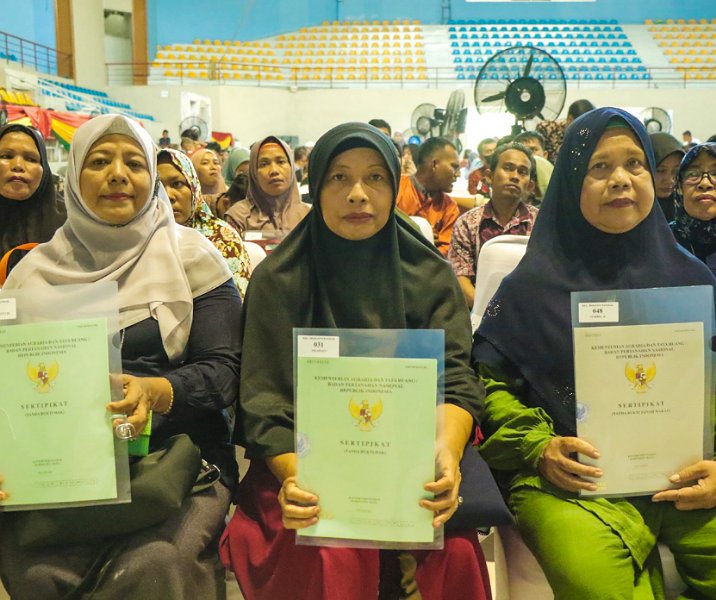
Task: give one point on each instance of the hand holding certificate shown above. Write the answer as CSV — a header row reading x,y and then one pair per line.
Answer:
x,y
643,376
366,422
56,442
700,494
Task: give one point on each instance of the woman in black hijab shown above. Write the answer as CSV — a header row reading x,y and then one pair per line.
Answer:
x,y
598,229
695,224
29,212
349,264
668,153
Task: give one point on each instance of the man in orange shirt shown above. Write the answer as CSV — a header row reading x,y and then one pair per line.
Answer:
x,y
425,194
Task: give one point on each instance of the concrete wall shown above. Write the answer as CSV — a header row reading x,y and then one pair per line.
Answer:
x,y
88,27
250,113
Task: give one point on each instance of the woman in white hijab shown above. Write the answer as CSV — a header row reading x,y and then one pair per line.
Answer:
x,y
179,314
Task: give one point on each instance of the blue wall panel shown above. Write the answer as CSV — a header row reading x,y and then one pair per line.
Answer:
x,y
184,20
33,20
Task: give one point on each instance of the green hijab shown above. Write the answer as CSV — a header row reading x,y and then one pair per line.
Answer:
x,y
236,157
393,280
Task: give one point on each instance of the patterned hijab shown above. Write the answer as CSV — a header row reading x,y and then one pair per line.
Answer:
x,y
698,236
219,232
528,321
159,266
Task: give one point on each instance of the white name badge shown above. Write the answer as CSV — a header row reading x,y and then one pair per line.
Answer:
x,y
599,312
8,309
327,346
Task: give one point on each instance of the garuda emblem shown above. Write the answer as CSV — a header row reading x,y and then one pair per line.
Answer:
x,y
640,377
365,414
43,376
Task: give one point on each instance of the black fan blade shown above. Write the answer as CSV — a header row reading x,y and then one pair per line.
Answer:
x,y
541,116
494,98
528,66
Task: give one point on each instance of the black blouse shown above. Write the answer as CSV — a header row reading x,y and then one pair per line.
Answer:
x,y
205,382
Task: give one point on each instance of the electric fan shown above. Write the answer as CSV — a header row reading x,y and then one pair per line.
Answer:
x,y
525,81
655,119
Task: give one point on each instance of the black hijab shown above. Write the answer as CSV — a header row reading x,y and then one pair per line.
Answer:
x,y
37,218
392,280
699,237
528,321
665,144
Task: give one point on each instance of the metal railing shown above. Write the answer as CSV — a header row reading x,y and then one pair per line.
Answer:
x,y
341,76
33,55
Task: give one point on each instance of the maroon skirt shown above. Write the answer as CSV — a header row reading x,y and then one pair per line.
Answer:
x,y
270,566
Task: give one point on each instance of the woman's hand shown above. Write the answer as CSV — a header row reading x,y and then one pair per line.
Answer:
x,y
300,508
3,495
558,468
702,494
445,487
457,426
141,395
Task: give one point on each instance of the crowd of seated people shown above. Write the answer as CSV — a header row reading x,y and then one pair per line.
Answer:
x,y
206,340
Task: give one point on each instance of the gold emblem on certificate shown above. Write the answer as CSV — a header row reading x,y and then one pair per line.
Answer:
x,y
43,376
640,377
365,414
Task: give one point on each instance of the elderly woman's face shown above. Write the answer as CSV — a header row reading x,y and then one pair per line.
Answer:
x,y
698,186
178,191
208,169
357,194
617,192
274,170
20,166
114,181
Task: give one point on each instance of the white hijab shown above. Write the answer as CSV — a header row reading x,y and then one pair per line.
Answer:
x,y
159,266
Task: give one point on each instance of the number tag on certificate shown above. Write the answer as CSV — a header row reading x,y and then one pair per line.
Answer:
x,y
327,346
598,312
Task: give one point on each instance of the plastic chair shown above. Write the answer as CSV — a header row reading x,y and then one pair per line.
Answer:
x,y
256,254
498,257
519,575
425,228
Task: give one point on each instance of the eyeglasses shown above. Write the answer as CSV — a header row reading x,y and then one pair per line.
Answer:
x,y
693,176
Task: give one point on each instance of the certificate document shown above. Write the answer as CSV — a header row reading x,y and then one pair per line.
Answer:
x,y
56,441
640,401
366,446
